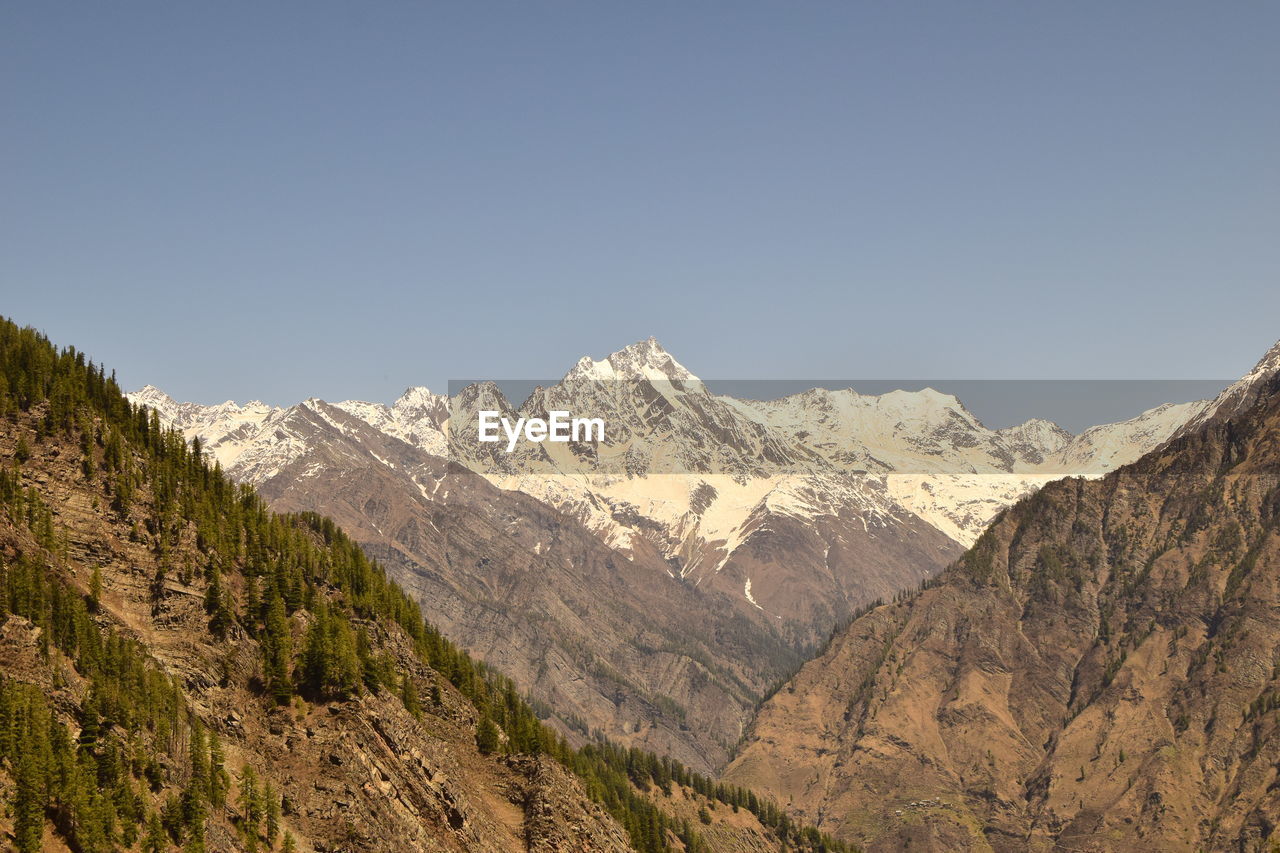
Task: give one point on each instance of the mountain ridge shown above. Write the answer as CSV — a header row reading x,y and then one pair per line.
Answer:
x,y
184,668
1095,673
780,517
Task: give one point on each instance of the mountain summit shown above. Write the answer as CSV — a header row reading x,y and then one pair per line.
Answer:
x,y
642,360
1241,395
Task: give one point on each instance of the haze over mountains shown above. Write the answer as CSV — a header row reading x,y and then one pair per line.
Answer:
x,y
654,585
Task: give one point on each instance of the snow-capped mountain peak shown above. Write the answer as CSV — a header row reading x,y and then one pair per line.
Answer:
x,y
1268,364
150,392
153,397
1239,395
1035,438
642,360
417,397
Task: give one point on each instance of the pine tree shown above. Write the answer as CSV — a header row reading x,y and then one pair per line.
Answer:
x,y
218,779
195,795
330,663
252,603
89,722
409,696
155,840
28,805
95,589
276,646
250,803
272,804
216,606
486,736
372,671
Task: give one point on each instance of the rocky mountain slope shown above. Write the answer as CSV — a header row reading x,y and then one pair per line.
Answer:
x,y
609,641
653,585
182,668
1101,671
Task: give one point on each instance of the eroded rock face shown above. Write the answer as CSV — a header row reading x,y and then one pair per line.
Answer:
x,y
554,818
1100,672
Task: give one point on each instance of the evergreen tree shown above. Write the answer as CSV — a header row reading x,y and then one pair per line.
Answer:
x,y
409,696
331,666
155,840
195,794
89,722
28,805
218,779
250,803
486,736
252,603
272,816
215,605
95,589
276,648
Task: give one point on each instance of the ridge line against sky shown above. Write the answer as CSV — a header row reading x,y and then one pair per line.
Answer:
x,y
275,203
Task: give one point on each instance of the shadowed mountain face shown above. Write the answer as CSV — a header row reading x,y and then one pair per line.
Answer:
x,y
1101,671
655,584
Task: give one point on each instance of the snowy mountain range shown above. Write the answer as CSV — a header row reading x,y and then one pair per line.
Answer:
x,y
746,529
928,452
695,474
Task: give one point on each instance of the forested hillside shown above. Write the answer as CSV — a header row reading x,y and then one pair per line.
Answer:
x,y
184,669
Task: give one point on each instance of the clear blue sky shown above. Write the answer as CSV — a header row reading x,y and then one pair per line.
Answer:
x,y
281,200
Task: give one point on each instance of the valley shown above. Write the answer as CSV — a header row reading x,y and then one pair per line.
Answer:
x,y
653,585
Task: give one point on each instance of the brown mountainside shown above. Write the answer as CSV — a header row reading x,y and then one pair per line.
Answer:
x,y
1101,671
181,668
358,774
608,642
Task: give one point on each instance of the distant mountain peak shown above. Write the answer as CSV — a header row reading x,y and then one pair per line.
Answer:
x,y
1038,426
642,360
416,395
1240,395
1268,364
150,395
418,402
